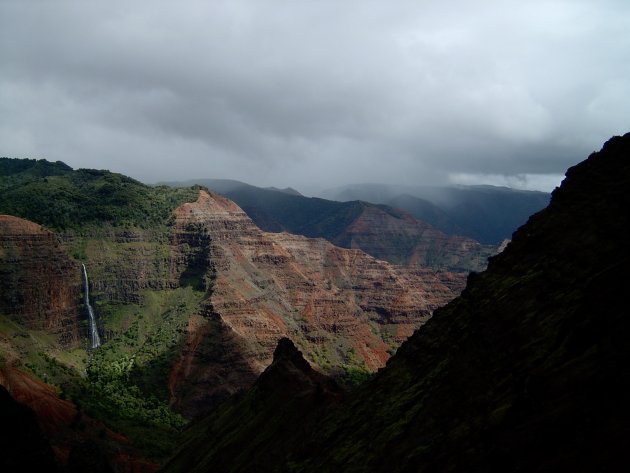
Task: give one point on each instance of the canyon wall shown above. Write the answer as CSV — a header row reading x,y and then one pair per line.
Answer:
x,y
40,285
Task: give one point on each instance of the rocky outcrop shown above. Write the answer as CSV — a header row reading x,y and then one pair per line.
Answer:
x,y
122,262
341,306
40,285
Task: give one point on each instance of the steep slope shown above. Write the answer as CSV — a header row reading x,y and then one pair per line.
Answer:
x,y
79,442
524,372
343,307
490,214
431,213
381,231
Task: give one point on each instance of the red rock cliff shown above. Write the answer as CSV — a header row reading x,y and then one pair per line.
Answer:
x,y
40,285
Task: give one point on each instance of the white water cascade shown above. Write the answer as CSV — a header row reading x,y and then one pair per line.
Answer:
x,y
96,341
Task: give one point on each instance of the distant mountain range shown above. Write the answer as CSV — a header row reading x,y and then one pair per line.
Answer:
x,y
488,214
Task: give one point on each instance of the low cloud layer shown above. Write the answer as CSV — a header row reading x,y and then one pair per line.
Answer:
x,y
315,94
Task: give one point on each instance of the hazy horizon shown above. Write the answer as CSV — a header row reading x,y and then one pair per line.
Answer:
x,y
325,192
314,95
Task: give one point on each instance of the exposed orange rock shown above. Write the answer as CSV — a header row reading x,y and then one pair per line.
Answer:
x,y
40,285
339,305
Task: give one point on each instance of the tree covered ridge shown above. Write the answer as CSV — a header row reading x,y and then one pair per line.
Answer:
x,y
60,198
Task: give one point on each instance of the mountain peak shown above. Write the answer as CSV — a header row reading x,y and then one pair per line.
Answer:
x,y
290,376
287,352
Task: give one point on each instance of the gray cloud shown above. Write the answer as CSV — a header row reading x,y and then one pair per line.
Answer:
x,y
315,94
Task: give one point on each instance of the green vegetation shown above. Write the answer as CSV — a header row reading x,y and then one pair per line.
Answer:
x,y
39,353
355,376
126,383
120,228
54,195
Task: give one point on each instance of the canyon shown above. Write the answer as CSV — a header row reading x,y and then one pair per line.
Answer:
x,y
346,309
525,371
189,297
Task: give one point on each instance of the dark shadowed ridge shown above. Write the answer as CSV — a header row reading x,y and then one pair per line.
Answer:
x,y
286,190
487,214
275,210
526,371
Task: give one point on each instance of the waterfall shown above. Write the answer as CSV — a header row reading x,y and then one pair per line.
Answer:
x,y
96,341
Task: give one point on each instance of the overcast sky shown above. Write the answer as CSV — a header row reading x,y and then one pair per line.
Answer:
x,y
316,94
